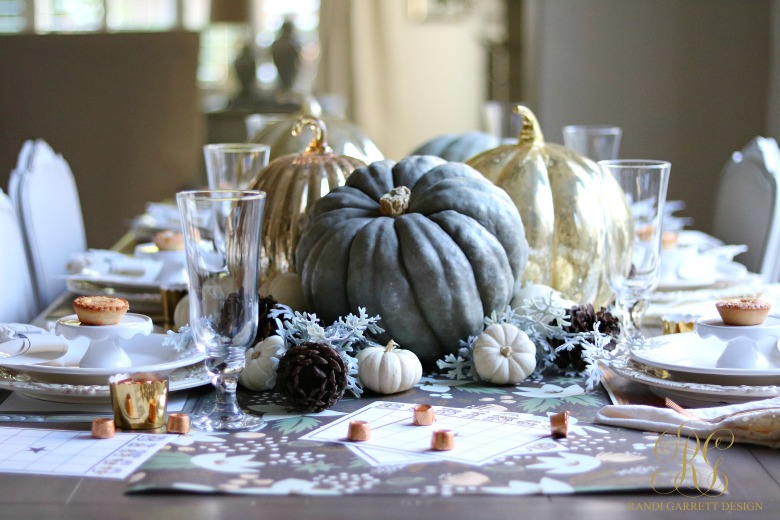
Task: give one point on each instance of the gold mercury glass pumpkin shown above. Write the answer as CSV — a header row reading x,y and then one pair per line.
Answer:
x,y
344,137
293,183
567,208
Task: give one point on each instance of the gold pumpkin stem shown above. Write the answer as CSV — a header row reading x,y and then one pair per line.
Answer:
x,y
506,351
319,142
530,133
391,345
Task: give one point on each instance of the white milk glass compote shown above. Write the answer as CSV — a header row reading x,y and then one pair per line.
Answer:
x,y
222,238
644,184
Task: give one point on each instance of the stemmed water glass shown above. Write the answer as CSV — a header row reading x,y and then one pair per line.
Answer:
x,y
222,238
644,184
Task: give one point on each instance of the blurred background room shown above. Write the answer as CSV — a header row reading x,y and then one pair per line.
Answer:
x,y
128,91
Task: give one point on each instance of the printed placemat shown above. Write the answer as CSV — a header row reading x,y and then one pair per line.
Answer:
x,y
285,458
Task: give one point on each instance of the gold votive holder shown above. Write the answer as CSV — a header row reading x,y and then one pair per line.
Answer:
x,y
676,323
139,400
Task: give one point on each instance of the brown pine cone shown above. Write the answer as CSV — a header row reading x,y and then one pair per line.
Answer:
x,y
266,326
311,377
582,319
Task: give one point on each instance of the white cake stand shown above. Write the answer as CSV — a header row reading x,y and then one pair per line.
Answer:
x,y
104,349
747,347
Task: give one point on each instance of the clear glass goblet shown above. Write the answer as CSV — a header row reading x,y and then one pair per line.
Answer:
x,y
644,184
222,239
596,142
233,166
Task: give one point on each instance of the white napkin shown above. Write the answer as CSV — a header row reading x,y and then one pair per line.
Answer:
x,y
762,426
100,264
23,344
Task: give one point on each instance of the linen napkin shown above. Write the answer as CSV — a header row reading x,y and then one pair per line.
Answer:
x,y
23,344
759,424
158,216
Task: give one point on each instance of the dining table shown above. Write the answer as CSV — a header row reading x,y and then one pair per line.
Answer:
x,y
298,468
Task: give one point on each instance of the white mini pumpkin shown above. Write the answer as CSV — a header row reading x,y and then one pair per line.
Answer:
x,y
388,370
504,355
261,361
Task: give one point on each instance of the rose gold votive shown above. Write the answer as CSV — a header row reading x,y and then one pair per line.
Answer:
x,y
559,425
423,415
178,423
443,440
103,428
359,431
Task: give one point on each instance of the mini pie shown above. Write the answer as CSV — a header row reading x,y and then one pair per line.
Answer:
x,y
169,241
100,310
743,311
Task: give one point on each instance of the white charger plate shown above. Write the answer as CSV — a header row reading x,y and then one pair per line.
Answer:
x,y
147,353
692,394
689,357
182,378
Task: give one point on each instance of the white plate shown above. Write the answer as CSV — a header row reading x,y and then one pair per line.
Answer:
x,y
182,378
731,272
690,357
693,394
148,354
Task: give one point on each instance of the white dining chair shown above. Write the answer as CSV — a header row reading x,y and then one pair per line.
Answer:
x,y
747,208
49,210
18,303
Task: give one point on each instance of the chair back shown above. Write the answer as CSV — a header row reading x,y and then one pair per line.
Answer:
x,y
747,208
49,210
18,303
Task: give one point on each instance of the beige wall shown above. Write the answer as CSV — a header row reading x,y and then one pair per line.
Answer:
x,y
689,81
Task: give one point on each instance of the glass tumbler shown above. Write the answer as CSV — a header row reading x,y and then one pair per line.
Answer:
x,y
596,142
233,166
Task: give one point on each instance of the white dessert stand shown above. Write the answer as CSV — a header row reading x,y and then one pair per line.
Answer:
x,y
105,350
747,347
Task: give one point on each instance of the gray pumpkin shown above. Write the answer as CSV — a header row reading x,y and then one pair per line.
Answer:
x,y
458,147
430,246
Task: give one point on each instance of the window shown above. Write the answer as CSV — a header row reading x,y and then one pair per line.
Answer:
x,y
220,43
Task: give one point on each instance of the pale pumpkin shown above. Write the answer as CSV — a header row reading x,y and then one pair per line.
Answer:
x,y
286,289
568,208
259,371
388,370
504,355
458,147
293,183
345,137
433,258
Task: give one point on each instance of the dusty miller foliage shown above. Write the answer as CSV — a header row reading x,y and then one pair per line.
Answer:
x,y
347,335
543,320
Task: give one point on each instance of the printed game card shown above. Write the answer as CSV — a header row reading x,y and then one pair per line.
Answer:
x,y
480,435
74,453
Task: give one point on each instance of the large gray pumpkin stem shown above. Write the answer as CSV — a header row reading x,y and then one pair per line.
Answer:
x,y
394,204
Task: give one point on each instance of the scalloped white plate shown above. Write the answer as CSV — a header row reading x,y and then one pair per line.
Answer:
x,y
694,394
190,376
147,353
688,357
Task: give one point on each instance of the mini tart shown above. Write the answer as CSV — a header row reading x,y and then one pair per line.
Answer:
x,y
100,310
743,311
169,241
669,239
